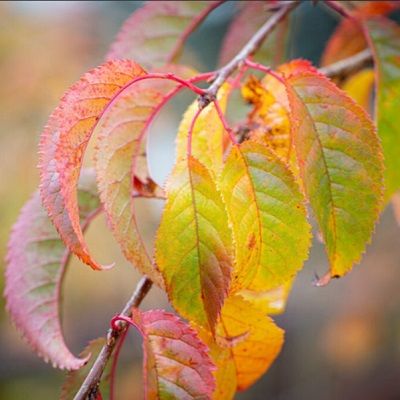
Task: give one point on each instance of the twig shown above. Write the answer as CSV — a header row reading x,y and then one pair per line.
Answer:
x,y
90,385
350,64
337,7
251,47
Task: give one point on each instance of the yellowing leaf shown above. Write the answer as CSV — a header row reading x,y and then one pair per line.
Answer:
x,y
385,40
246,345
359,87
340,162
121,160
155,34
268,217
176,364
207,135
193,247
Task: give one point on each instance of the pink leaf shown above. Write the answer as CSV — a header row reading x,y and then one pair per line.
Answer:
x,y
36,263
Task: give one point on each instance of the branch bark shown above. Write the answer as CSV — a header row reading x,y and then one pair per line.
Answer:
x,y
89,387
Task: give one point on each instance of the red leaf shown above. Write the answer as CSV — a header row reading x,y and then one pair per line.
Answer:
x,y
155,34
36,262
64,142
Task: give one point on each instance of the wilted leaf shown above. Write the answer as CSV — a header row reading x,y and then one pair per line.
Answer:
x,y
268,217
121,160
340,162
207,135
176,364
359,87
64,142
251,16
74,379
385,40
36,264
155,34
193,247
247,343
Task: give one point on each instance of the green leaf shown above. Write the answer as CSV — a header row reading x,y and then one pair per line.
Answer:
x,y
193,247
268,217
340,162
385,40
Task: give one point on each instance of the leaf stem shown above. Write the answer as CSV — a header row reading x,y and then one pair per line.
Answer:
x,y
90,385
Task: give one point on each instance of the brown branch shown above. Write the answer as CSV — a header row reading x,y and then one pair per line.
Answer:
x,y
348,65
90,385
250,48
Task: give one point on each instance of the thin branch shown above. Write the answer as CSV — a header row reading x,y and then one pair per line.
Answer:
x,y
90,385
337,7
250,48
347,65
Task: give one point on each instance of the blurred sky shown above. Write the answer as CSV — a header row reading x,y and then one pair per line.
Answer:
x,y
342,341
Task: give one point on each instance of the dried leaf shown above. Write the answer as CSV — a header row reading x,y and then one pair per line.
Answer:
x,y
340,162
36,264
193,247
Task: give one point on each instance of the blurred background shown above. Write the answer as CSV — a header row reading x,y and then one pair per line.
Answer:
x,y
342,341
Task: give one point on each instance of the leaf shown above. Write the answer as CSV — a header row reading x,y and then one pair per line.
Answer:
x,y
36,263
155,34
251,16
359,87
385,40
121,160
207,135
64,142
74,379
268,217
255,343
340,162
193,246
176,364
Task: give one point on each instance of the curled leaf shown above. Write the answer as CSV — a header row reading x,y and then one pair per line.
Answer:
x,y
155,34
64,142
194,244
340,162
36,264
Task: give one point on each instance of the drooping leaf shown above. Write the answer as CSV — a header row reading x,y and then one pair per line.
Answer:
x,y
268,217
121,160
176,362
207,135
385,40
340,162
64,142
36,263
348,38
251,16
246,345
75,379
155,34
193,247
359,87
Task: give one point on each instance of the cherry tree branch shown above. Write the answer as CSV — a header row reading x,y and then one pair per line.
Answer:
x,y
89,387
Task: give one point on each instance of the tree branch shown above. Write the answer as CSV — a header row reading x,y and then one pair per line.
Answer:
x,y
251,47
90,385
347,65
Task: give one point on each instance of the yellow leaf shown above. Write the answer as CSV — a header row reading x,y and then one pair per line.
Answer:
x,y
359,86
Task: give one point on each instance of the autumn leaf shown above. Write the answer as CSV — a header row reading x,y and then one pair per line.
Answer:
x,y
340,162
75,379
250,17
176,364
268,217
36,263
359,87
156,33
193,246
247,342
64,142
121,160
207,133
385,40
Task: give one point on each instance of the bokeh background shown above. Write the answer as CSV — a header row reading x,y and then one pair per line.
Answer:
x,y
342,341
